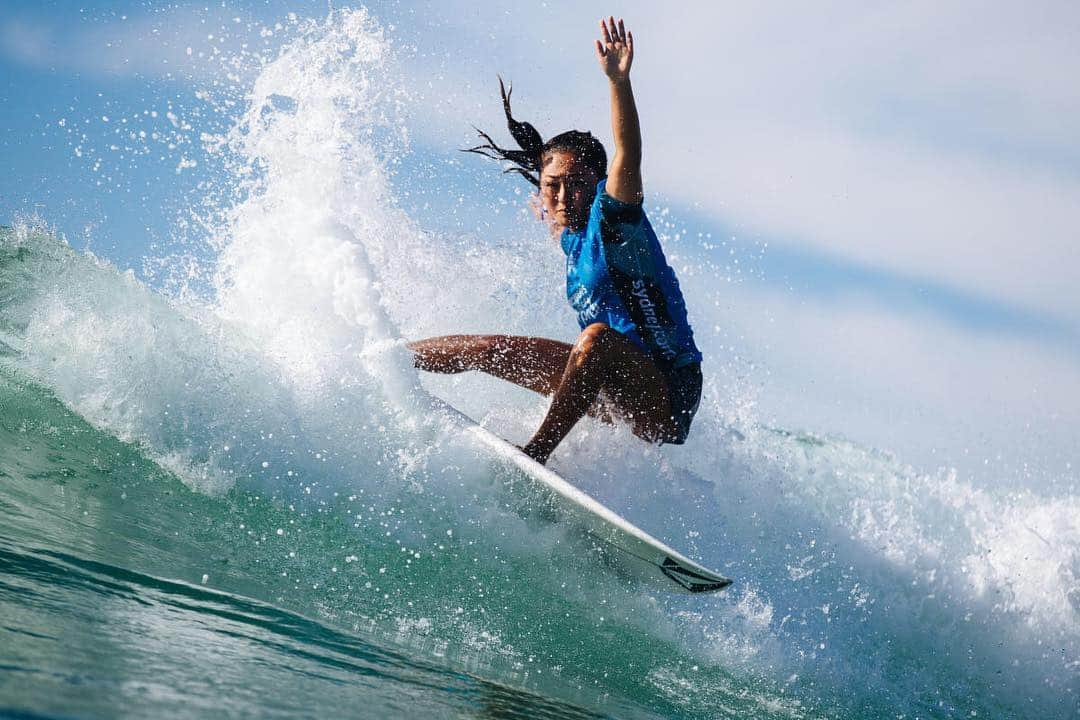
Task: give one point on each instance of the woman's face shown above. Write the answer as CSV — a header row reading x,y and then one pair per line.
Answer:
x,y
567,190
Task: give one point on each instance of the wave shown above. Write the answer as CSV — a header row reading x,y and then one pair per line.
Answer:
x,y
272,436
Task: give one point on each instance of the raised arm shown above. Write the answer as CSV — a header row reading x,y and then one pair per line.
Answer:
x,y
615,51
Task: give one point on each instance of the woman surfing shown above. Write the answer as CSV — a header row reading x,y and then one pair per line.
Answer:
x,y
635,359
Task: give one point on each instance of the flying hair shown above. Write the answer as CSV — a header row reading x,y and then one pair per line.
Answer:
x,y
528,161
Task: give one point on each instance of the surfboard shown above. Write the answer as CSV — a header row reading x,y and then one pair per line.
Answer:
x,y
633,550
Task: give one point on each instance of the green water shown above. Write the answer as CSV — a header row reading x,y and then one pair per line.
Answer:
x,y
106,612
92,628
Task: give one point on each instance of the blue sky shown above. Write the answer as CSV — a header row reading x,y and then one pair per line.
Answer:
x,y
913,172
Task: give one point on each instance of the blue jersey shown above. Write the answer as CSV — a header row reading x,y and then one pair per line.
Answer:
x,y
616,274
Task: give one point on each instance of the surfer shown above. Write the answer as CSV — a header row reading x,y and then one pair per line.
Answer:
x,y
635,359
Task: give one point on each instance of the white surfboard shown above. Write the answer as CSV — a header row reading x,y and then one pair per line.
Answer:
x,y
635,550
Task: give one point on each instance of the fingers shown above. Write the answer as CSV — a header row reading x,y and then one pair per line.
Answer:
x,y
600,50
615,32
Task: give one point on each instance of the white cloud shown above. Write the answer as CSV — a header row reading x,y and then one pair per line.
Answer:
x,y
995,406
149,45
966,224
27,43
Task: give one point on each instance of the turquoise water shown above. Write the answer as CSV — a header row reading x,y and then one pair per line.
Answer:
x,y
125,591
225,493
101,559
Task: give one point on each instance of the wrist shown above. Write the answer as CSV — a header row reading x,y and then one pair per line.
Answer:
x,y
619,81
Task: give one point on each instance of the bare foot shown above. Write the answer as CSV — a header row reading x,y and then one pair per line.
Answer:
x,y
533,453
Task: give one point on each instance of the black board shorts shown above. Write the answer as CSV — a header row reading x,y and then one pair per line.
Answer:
x,y
684,390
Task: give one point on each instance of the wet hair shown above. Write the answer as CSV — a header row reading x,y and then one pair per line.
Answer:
x,y
528,161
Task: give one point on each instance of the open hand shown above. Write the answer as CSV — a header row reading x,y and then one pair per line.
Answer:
x,y
615,50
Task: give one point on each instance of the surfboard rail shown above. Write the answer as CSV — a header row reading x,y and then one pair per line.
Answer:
x,y
598,520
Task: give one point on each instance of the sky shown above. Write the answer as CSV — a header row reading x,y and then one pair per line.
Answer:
x,y
901,182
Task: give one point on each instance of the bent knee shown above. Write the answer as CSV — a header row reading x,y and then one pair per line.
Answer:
x,y
593,337
591,342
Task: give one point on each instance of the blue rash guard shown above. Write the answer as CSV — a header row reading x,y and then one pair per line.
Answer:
x,y
616,274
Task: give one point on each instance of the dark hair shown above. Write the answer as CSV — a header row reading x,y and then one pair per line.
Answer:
x,y
528,161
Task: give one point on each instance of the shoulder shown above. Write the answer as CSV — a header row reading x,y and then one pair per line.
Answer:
x,y
617,221
615,210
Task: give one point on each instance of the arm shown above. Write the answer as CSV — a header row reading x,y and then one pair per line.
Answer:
x,y
616,53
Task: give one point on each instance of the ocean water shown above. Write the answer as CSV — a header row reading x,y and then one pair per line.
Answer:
x,y
225,493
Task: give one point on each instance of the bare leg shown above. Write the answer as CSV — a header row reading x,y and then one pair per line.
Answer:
x,y
533,363
603,359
